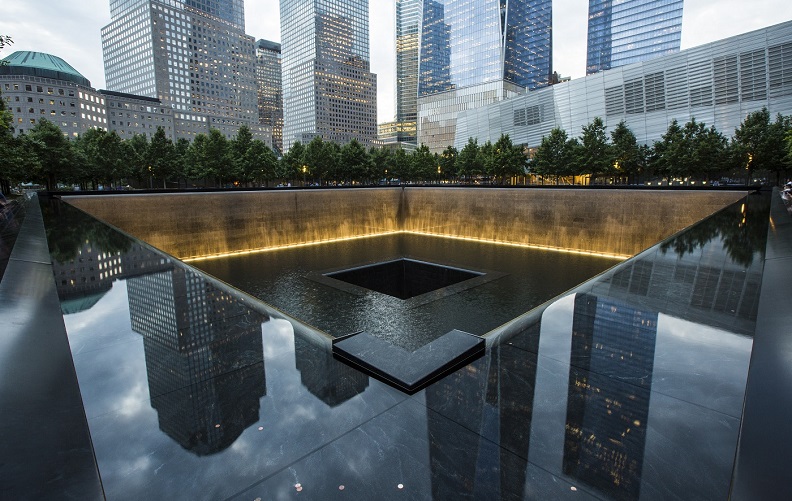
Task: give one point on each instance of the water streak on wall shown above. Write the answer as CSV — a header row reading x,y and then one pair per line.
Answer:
x,y
619,222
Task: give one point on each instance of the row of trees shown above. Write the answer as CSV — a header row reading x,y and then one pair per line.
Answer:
x,y
690,151
99,157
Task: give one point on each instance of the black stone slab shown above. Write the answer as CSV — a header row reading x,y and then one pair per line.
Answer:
x,y
46,448
409,371
763,455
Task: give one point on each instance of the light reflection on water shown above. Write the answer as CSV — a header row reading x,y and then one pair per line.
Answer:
x,y
527,278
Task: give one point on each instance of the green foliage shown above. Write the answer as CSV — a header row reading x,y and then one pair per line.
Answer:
x,y
556,155
292,163
356,162
53,154
506,160
759,144
626,155
469,161
594,155
447,163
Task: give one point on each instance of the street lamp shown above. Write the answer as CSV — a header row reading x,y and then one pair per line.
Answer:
x,y
304,169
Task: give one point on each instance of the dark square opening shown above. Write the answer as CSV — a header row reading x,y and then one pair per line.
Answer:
x,y
404,278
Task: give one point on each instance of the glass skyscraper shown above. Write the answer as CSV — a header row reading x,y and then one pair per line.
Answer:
x,y
409,14
475,52
193,56
328,89
270,89
631,31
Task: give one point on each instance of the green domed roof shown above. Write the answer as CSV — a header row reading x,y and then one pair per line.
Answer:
x,y
27,62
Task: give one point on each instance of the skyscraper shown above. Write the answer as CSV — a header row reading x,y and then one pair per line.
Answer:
x,y
631,31
193,56
478,52
328,89
408,35
270,89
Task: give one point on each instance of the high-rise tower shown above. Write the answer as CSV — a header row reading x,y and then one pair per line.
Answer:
x,y
475,52
631,31
270,89
328,89
192,55
408,36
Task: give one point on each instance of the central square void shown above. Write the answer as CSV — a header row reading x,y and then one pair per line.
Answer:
x,y
404,278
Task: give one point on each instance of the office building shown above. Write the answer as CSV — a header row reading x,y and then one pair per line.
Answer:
x,y
328,89
193,56
631,31
718,83
474,53
36,85
270,89
409,14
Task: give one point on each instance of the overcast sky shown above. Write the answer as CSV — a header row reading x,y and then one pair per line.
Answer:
x,y
71,30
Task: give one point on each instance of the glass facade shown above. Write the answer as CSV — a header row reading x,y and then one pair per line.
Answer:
x,y
477,52
470,42
408,35
328,89
270,89
631,31
192,56
719,84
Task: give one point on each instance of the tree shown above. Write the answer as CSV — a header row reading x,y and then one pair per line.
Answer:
x,y
316,159
196,162
469,161
555,156
7,145
356,161
380,161
240,168
625,152
399,165
594,156
669,152
423,164
217,158
707,150
758,144
292,163
263,161
162,163
507,159
447,163
53,153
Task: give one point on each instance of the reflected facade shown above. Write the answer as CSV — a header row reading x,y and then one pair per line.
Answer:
x,y
328,88
603,393
204,359
606,419
631,31
473,53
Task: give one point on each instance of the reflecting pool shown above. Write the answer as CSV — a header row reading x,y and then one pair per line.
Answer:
x,y
628,387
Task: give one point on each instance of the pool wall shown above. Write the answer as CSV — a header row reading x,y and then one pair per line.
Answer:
x,y
616,223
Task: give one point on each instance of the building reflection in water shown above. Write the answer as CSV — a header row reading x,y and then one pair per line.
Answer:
x,y
329,380
492,464
606,420
204,356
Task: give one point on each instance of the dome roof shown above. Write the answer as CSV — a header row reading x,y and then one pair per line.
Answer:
x,y
25,62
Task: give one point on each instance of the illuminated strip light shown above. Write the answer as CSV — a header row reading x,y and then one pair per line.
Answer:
x,y
409,232
284,247
525,246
